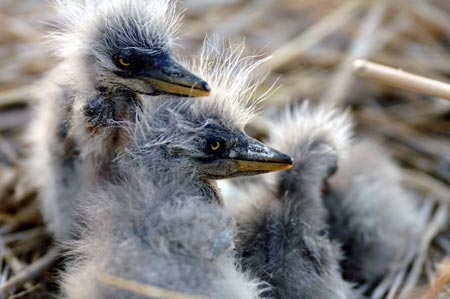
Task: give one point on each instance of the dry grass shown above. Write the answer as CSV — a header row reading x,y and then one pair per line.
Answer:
x,y
315,44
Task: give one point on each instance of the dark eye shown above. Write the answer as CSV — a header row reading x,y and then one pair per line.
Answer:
x,y
215,146
123,61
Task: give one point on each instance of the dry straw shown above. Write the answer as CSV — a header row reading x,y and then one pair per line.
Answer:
x,y
315,44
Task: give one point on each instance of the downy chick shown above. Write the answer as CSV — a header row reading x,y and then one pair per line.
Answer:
x,y
161,221
282,230
370,213
110,51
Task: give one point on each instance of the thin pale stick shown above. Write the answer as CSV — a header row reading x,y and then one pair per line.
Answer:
x,y
317,32
443,279
400,78
143,289
435,225
29,273
339,86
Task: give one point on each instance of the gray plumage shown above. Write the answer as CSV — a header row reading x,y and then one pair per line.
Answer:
x,y
370,213
167,234
282,231
110,51
161,221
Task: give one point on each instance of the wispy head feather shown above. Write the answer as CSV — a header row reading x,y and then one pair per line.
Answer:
x,y
81,26
308,123
181,127
233,79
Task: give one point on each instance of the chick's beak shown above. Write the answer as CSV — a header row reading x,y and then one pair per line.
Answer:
x,y
166,75
259,158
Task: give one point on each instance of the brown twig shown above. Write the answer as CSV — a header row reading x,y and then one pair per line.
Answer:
x,y
296,47
398,273
442,281
143,289
392,128
340,84
438,18
29,273
426,183
399,78
14,263
435,226
248,14
15,96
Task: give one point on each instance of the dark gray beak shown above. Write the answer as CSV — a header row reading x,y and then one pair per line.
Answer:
x,y
166,75
259,158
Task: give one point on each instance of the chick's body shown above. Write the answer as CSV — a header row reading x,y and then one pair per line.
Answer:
x,y
166,234
370,213
160,221
360,209
110,51
282,230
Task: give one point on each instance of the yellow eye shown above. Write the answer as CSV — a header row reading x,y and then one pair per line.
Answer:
x,y
215,145
124,62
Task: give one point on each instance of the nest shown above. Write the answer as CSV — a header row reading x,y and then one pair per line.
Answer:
x,y
315,44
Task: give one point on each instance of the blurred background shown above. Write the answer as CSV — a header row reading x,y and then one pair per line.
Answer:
x,y
314,44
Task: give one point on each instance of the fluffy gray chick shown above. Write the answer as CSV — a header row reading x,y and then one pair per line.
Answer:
x,y
228,109
282,231
161,221
370,213
169,234
110,51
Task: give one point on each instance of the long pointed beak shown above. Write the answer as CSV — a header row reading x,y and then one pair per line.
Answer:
x,y
168,76
260,158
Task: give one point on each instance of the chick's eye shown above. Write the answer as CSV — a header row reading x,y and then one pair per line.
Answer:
x,y
215,145
124,62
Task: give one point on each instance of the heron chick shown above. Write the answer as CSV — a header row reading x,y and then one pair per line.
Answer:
x,y
282,229
109,51
169,234
161,221
371,214
367,211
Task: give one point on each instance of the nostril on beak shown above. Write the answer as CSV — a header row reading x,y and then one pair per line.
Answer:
x,y
176,74
205,86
